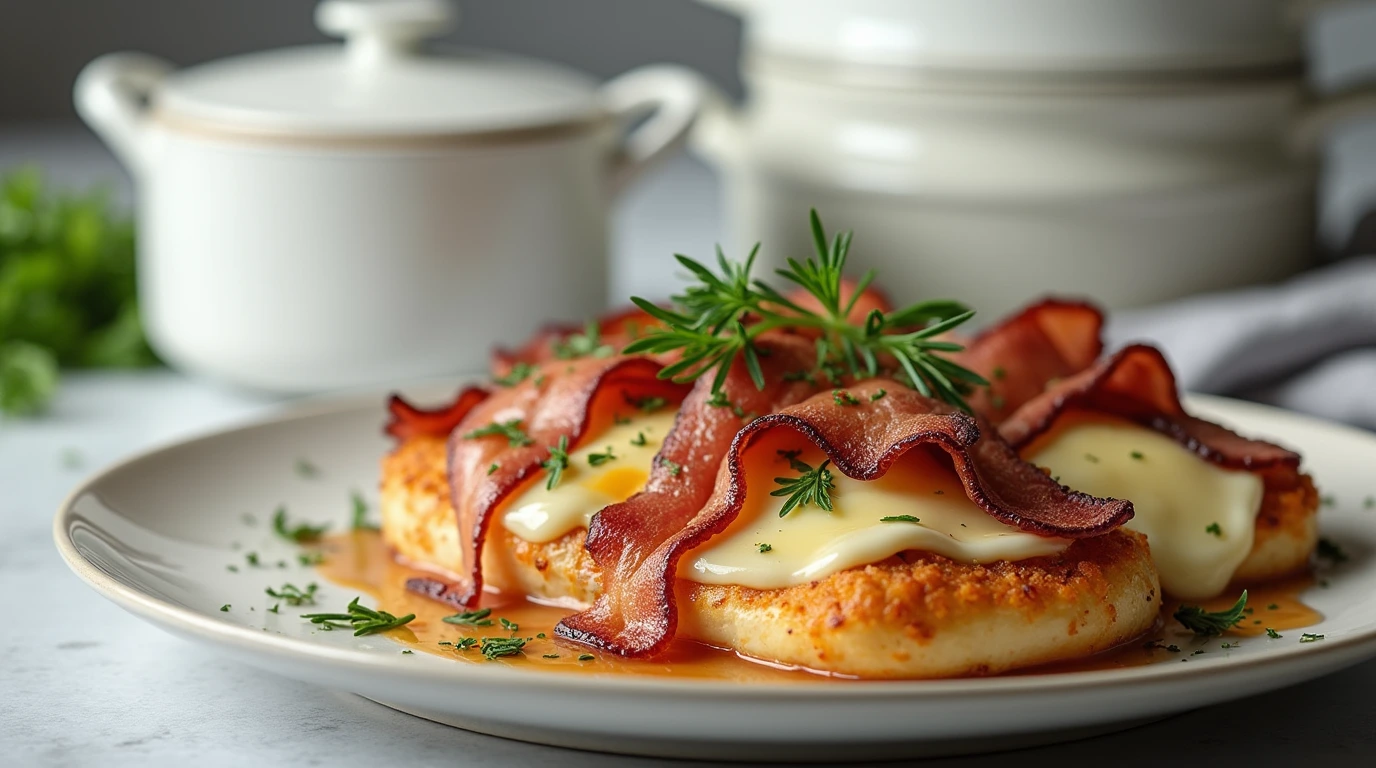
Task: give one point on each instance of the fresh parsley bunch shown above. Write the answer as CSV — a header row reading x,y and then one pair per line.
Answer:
x,y
720,315
67,296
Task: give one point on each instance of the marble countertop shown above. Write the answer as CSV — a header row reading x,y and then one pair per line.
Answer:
x,y
84,683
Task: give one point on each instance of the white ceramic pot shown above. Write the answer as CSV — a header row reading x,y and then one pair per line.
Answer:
x,y
995,187
334,216
1031,35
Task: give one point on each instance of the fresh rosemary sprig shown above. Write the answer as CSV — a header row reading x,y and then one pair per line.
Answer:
x,y
364,621
1210,623
511,430
557,462
813,486
709,325
301,533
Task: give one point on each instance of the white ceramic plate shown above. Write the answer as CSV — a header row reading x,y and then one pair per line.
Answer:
x,y
154,534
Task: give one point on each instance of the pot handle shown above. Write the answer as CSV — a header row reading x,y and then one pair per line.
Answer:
x,y
112,95
668,98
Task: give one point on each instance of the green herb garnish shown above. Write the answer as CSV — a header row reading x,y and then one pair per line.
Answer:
x,y
842,397
294,595
509,625
301,533
647,404
764,548
674,469
493,468
1330,551
598,459
557,462
1310,638
363,620
511,430
360,513
879,394
518,373
550,656
310,558
1210,623
639,439
812,486
1137,455
225,608
497,647
900,519
1214,530
585,344
586,657
1273,634
708,325
478,618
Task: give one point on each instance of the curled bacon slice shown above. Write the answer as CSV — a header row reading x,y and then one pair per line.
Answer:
x,y
1137,384
579,400
1046,341
636,615
408,421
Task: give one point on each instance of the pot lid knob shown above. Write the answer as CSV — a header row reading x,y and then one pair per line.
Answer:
x,y
376,30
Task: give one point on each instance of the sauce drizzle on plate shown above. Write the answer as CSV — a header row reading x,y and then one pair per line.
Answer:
x,y
360,560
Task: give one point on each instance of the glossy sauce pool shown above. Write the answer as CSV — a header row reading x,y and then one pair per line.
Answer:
x,y
360,561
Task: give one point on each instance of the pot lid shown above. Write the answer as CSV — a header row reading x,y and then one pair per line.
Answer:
x,y
379,82
1029,35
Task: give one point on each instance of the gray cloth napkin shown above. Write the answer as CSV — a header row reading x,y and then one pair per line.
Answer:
x,y
1307,345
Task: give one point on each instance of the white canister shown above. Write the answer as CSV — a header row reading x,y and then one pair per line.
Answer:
x,y
334,216
995,167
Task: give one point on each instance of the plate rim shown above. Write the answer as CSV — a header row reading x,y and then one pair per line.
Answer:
x,y
1334,653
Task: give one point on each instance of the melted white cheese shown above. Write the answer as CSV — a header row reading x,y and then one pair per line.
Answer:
x,y
538,514
1178,497
812,543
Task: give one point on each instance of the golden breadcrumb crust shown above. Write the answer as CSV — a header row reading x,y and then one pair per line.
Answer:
x,y
922,615
419,524
1287,532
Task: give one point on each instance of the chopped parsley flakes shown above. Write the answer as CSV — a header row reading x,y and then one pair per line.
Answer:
x,y
510,429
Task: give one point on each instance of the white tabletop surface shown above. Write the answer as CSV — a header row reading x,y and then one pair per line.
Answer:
x,y
83,683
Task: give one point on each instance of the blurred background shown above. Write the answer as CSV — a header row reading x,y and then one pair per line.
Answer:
x,y
707,195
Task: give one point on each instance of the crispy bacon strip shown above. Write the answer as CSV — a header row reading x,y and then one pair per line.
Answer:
x,y
1137,384
408,421
1049,340
570,403
628,540
636,615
